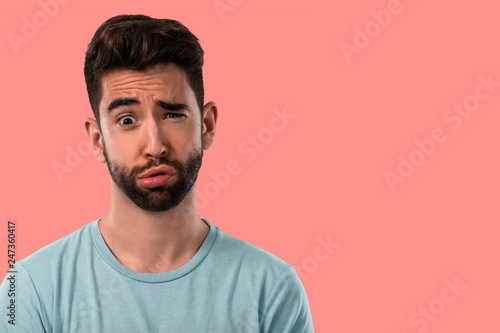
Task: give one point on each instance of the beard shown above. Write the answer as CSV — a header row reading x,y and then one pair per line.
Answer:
x,y
161,198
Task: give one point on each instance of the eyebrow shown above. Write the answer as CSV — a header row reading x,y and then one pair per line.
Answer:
x,y
133,101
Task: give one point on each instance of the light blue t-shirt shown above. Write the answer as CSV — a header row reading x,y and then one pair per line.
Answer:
x,y
76,284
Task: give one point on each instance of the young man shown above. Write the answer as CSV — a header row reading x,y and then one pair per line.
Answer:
x,y
151,264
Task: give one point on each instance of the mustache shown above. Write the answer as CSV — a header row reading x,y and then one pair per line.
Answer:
x,y
177,165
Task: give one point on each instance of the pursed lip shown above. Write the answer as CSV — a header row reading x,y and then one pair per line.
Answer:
x,y
162,169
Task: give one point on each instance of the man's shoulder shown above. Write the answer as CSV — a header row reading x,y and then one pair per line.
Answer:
x,y
54,253
232,249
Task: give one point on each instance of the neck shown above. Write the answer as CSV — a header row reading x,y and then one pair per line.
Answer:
x,y
152,242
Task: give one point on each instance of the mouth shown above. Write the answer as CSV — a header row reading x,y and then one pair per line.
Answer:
x,y
156,176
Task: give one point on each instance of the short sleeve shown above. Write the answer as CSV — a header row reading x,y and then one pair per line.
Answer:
x,y
286,309
20,304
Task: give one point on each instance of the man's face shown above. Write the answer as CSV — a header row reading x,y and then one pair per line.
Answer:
x,y
151,135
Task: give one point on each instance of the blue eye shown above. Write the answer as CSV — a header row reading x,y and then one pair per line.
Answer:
x,y
127,120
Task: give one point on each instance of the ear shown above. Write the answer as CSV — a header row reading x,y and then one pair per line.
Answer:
x,y
210,114
95,137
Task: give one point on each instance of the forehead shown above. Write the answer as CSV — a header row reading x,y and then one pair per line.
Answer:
x,y
165,81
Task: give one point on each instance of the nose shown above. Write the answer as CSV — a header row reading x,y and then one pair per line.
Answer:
x,y
154,140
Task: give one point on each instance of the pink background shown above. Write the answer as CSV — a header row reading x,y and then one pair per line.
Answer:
x,y
323,175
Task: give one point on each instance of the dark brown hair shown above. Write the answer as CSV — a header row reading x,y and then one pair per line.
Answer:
x,y
138,42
